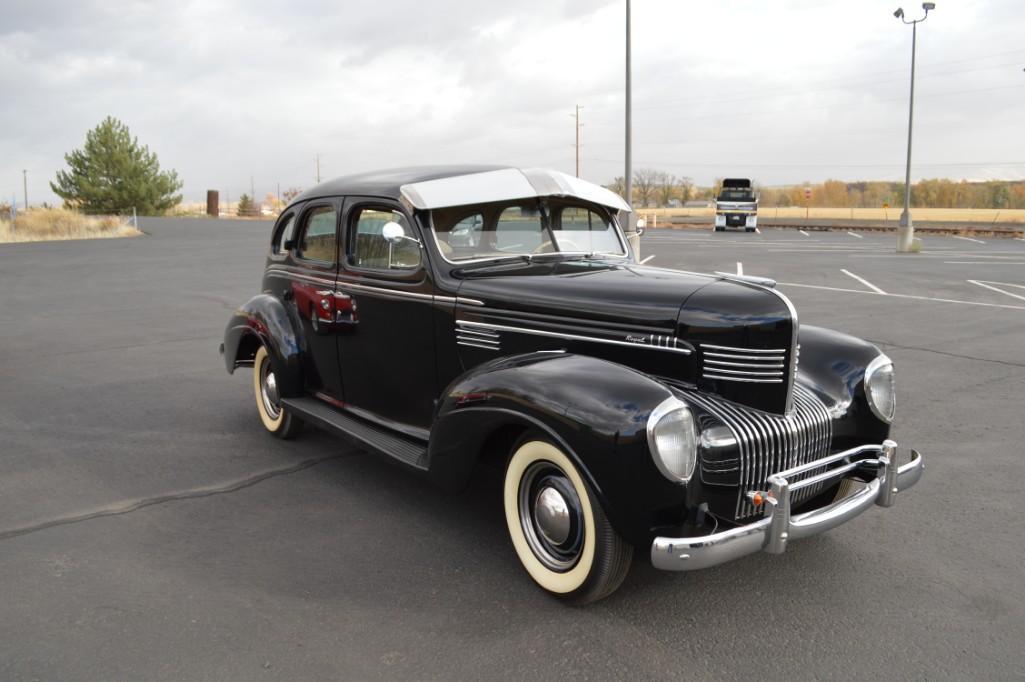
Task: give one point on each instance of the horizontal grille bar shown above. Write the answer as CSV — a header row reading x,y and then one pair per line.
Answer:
x,y
744,365
734,349
738,356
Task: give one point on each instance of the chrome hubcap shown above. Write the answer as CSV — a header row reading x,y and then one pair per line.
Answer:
x,y
269,390
551,516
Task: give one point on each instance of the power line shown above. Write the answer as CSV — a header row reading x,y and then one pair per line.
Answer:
x,y
810,90
763,112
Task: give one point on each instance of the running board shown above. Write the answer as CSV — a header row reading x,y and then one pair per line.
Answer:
x,y
405,450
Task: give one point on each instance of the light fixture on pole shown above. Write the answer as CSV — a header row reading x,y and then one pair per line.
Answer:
x,y
906,228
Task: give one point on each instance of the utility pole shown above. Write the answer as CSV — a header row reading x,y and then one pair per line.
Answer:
x,y
318,169
279,196
906,228
578,140
24,186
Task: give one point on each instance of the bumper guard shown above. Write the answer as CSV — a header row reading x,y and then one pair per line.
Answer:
x,y
772,532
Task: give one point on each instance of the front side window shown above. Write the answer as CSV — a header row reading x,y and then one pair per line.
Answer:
x,y
520,228
370,248
318,240
284,234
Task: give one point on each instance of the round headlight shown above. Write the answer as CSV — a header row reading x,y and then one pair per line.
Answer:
x,y
673,439
879,388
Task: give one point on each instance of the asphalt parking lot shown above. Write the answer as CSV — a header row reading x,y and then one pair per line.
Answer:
x,y
149,528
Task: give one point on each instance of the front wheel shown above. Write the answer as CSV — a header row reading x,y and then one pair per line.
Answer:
x,y
558,528
276,418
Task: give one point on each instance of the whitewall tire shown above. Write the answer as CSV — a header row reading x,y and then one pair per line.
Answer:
x,y
276,417
558,528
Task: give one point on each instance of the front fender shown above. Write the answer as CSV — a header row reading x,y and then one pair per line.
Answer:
x,y
834,364
595,410
263,319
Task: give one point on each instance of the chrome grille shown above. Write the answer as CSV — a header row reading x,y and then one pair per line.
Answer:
x,y
487,339
769,443
747,365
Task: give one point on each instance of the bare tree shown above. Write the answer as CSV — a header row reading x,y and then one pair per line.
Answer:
x,y
685,189
666,188
618,185
646,180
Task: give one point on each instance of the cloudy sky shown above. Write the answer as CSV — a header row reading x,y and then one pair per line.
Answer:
x,y
783,91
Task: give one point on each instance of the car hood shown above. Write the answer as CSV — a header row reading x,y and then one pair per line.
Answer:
x,y
635,311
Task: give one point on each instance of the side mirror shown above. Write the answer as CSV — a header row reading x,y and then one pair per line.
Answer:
x,y
640,226
393,232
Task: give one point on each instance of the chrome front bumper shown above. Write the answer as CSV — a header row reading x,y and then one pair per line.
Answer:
x,y
772,532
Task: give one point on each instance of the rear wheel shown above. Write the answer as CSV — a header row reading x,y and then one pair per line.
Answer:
x,y
276,418
558,528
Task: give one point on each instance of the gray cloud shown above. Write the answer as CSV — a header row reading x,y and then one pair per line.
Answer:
x,y
785,92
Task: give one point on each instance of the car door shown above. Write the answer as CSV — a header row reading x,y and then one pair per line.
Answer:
x,y
387,352
306,276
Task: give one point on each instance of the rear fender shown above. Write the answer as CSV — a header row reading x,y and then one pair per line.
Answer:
x,y
263,320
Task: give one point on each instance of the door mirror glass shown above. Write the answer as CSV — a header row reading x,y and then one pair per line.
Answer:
x,y
392,232
641,224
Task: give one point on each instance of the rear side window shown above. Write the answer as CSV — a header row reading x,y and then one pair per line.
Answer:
x,y
371,250
318,241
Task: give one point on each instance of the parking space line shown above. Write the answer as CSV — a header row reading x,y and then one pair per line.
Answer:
x,y
854,234
740,268
968,239
804,233
864,281
909,296
647,259
987,285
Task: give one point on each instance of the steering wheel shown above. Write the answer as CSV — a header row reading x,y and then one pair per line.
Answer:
x,y
564,245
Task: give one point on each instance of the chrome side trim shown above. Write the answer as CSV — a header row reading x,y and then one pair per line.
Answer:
x,y
574,337
777,527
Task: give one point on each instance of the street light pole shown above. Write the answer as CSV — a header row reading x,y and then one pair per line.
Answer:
x,y
906,228
631,228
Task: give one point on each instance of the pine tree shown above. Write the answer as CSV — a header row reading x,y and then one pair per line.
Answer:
x,y
113,173
245,205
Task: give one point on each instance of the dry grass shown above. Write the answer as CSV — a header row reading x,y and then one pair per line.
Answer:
x,y
56,224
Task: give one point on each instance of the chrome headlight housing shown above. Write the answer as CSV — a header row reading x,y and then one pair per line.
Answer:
x,y
673,439
879,388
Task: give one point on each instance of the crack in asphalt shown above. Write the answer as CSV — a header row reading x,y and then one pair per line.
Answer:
x,y
129,506
940,352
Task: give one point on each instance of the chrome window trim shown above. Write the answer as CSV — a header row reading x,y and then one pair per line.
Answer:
x,y
617,228
574,337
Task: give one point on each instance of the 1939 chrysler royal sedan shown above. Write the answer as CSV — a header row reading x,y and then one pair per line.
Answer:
x,y
445,316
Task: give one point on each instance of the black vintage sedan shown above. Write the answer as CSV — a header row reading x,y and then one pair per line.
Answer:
x,y
448,316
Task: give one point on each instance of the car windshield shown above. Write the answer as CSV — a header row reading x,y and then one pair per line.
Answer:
x,y
524,228
736,195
